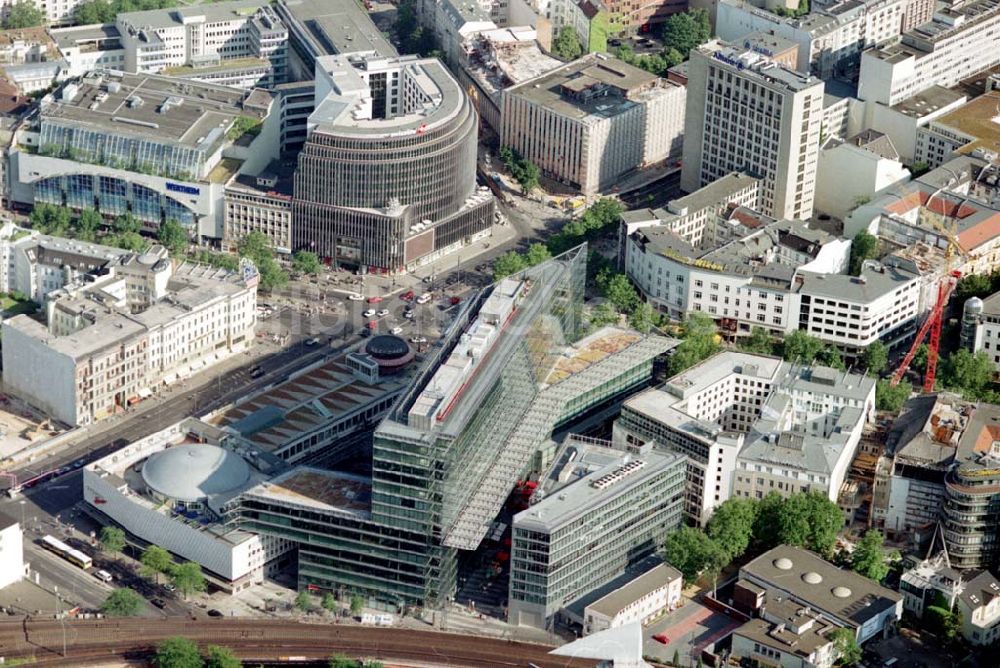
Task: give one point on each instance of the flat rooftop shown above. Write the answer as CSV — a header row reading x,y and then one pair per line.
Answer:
x,y
319,489
338,26
197,115
928,101
28,36
88,38
591,350
173,17
978,119
655,578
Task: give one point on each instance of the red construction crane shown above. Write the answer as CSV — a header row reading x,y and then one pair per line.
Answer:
x,y
933,325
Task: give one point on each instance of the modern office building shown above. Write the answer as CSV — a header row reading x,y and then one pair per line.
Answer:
x,y
204,36
91,47
967,130
971,511
958,42
11,551
747,113
624,504
838,596
156,147
118,328
593,121
387,177
175,488
485,402
751,424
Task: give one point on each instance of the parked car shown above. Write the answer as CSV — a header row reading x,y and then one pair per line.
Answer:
x,y
159,603
369,313
396,330
103,576
256,372
382,312
365,332
214,613
662,638
355,297
424,298
169,586
454,300
374,300
312,342
418,339
407,296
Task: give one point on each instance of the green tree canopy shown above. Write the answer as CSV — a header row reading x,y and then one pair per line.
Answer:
x,y
864,246
875,357
537,253
112,539
303,601
699,341
88,224
328,603
122,603
731,526
693,553
155,560
760,342
341,661
889,398
685,31
177,653
809,520
846,646
976,285
801,347
357,605
23,14
831,357
509,263
173,236
188,578
869,558
967,372
126,224
221,657
642,319
306,262
620,291
566,45
604,313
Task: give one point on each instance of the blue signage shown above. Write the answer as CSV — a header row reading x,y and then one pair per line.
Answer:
x,y
729,60
187,190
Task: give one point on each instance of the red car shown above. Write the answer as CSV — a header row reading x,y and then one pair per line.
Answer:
x,y
372,324
374,300
407,296
455,300
661,638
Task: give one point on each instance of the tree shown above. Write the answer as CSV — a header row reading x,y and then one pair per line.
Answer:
x,y
328,603
603,314
341,661
221,657
112,540
765,528
875,358
692,552
306,262
357,605
845,644
699,341
155,560
686,31
303,601
23,14
759,342
255,246
509,263
942,621
537,253
126,224
177,653
122,603
528,176
889,398
967,372
88,224
864,246
566,45
731,526
188,578
130,241
825,520
974,285
272,276
831,357
868,557
93,11
801,347
809,520
641,318
621,293
173,236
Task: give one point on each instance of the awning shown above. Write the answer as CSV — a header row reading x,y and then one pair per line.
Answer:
x,y
197,364
170,378
145,393
133,400
183,371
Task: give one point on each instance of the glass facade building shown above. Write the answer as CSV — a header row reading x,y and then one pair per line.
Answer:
x,y
112,197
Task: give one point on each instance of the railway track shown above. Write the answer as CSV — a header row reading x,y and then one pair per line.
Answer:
x,y
90,641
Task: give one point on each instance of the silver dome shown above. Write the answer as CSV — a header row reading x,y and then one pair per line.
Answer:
x,y
191,473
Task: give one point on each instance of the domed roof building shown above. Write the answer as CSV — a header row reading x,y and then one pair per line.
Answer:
x,y
190,474
390,352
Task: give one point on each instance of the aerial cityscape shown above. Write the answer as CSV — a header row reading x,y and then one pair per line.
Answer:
x,y
472,333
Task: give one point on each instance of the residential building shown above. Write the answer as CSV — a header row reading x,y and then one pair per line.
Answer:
x,y
830,39
642,599
627,504
386,179
904,120
174,489
839,597
183,40
918,12
454,22
971,511
12,565
593,121
967,130
922,584
746,273
589,19
957,43
121,328
788,635
59,12
149,145
508,372
856,170
987,328
746,113
260,203
979,605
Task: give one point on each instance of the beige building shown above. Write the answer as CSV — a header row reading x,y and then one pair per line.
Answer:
x,y
592,121
261,203
747,113
113,335
642,599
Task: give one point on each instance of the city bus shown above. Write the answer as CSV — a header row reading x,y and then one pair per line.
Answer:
x,y
66,552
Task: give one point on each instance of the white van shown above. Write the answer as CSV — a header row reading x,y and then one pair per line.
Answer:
x,y
424,298
103,576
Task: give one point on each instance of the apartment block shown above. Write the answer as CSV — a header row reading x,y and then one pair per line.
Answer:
x,y
747,113
591,122
958,42
115,332
11,551
633,502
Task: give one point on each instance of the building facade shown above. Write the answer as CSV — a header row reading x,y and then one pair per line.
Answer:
x,y
746,113
11,551
642,599
979,605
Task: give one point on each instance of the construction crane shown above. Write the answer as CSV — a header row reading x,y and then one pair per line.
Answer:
x,y
932,324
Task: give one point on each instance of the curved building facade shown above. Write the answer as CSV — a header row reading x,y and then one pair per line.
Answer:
x,y
387,176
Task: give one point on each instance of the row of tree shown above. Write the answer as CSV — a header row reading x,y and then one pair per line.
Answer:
x,y
523,170
186,577
180,652
305,602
